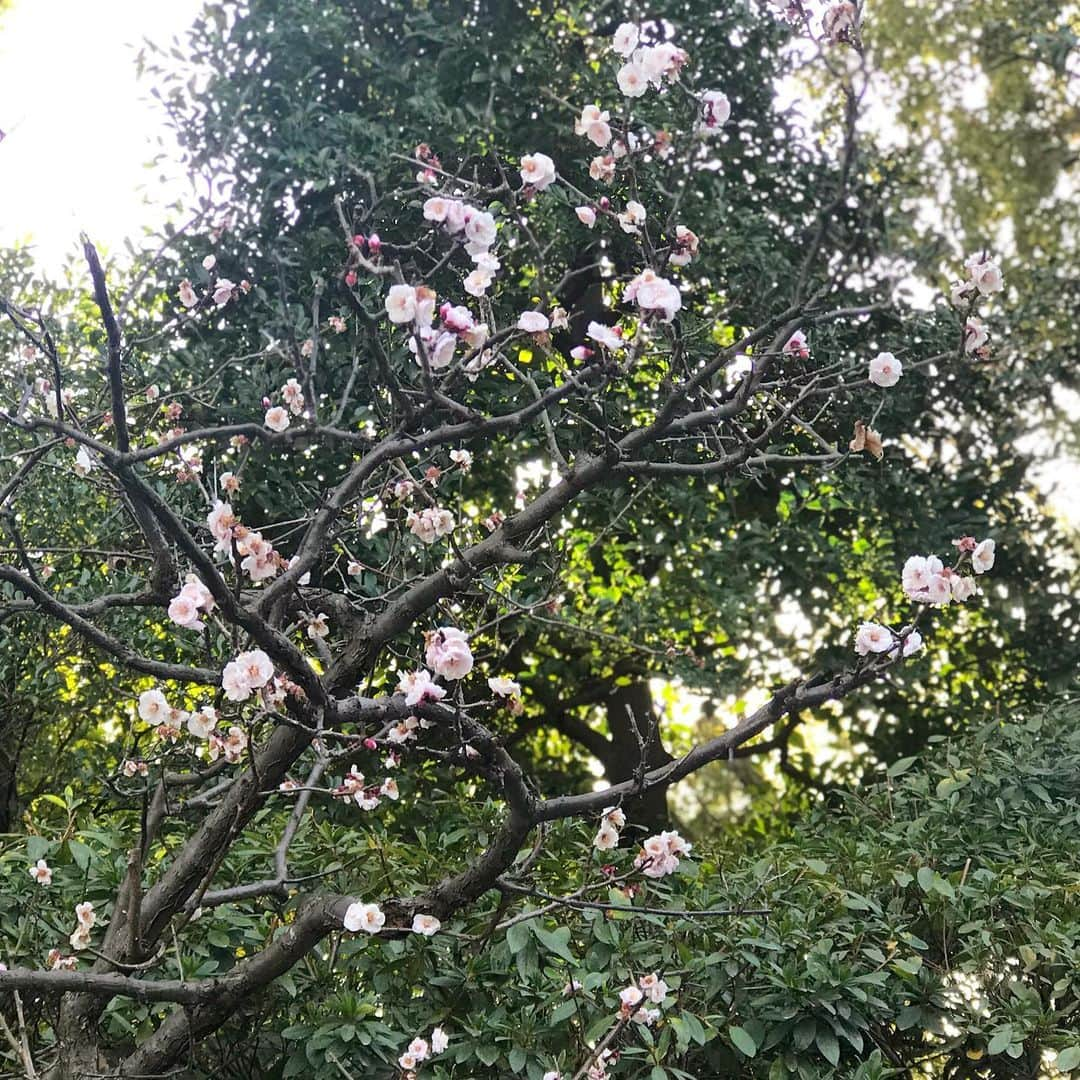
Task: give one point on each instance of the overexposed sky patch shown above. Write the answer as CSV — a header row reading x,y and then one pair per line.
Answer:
x,y
80,127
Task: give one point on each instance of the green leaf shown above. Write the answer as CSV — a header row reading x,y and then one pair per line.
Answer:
x,y
910,966
1068,1059
898,768
556,941
517,936
80,853
828,1045
925,877
742,1040
1000,1041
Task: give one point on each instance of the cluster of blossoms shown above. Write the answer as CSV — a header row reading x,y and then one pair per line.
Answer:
x,y
366,917
371,919
659,855
419,686
611,822
194,598
447,652
431,163
684,247
927,580
430,524
646,65
258,559
984,278
632,999
405,730
201,723
277,416
367,796
250,671
479,231
594,125
654,295
415,305
57,961
222,290
44,389
419,1050
85,919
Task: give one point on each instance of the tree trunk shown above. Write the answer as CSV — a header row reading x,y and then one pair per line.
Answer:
x,y
633,722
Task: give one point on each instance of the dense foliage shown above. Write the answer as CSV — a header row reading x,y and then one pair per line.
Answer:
x,y
674,515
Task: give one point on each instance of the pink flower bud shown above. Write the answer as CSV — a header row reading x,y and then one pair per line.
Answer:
x,y
266,403
350,278
358,240
369,743
374,243
604,203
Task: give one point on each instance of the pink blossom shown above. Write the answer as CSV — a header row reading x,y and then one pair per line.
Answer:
x,y
277,418
608,336
885,370
872,638
426,925
400,303
41,872
534,322
250,671
366,917
985,275
607,837
593,124
224,291
982,558
654,295
975,335
184,611
418,686
633,79
715,109
537,170
796,345
187,294
153,708
632,218
625,39
448,652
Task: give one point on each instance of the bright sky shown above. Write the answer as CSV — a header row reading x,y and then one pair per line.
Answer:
x,y
80,126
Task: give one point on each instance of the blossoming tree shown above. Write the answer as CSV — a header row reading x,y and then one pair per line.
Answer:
x,y
355,656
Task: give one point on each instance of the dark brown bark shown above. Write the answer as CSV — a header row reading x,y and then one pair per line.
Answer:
x,y
636,747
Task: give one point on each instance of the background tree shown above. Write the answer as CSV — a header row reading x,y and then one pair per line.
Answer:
x,y
319,111
608,576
